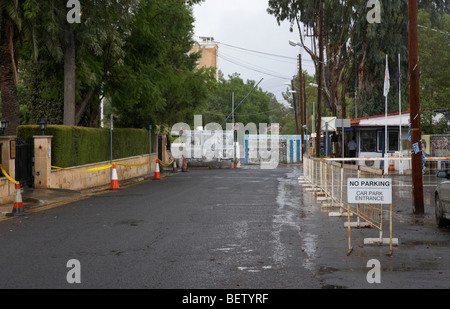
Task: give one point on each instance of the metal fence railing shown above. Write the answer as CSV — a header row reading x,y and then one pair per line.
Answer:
x,y
327,179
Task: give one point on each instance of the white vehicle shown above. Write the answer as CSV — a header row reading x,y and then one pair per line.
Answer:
x,y
442,200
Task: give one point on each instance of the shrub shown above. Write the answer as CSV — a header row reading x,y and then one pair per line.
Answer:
x,y
73,146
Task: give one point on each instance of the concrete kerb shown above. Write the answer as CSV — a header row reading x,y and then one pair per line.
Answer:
x,y
40,199
35,200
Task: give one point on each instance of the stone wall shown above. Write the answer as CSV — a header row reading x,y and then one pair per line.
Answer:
x,y
76,178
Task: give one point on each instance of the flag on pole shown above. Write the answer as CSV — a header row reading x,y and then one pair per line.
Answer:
x,y
387,82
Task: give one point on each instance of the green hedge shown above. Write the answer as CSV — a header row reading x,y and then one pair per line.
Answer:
x,y
73,146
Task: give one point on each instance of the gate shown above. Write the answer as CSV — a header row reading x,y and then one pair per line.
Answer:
x,y
1,151
24,161
159,147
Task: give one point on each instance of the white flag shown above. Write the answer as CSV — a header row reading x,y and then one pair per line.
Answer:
x,y
387,82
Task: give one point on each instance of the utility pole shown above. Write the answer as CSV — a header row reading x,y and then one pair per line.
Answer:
x,y
319,91
304,100
302,110
305,110
295,107
414,103
234,131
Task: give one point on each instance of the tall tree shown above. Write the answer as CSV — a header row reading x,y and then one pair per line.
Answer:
x,y
13,25
87,49
434,55
256,108
355,48
157,81
339,21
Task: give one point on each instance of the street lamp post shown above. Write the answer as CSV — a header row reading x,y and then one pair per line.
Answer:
x,y
300,78
295,108
305,127
293,92
319,122
320,77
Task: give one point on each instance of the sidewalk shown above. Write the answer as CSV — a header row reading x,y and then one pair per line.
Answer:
x,y
34,198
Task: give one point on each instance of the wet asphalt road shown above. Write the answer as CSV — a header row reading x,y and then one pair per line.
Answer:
x,y
217,229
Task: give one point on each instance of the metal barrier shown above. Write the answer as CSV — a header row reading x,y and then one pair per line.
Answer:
x,y
327,179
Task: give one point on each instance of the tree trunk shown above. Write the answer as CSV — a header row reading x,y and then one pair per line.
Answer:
x,y
69,76
362,63
8,74
82,106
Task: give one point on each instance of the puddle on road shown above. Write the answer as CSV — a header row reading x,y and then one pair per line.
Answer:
x,y
309,244
288,215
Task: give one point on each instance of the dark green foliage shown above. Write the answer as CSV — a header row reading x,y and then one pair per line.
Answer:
x,y
366,47
158,82
256,108
73,146
133,53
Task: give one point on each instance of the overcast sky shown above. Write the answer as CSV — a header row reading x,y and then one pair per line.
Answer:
x,y
245,24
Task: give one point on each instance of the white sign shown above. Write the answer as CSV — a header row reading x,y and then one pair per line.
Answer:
x,y
343,123
369,191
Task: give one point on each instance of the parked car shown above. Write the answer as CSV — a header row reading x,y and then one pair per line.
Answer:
x,y
442,200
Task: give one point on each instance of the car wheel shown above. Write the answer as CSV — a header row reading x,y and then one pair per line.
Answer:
x,y
440,221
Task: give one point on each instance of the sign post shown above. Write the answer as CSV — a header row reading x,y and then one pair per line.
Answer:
x,y
369,191
343,123
372,191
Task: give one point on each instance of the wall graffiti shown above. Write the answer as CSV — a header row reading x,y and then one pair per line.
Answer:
x,y
440,145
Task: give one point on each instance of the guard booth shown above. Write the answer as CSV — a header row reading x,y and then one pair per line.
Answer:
x,y
370,137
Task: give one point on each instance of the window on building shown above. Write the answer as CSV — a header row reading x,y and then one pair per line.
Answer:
x,y
368,140
380,141
393,143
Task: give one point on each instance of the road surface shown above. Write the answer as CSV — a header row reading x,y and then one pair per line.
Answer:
x,y
216,229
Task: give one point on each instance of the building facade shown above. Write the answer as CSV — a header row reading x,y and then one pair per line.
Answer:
x,y
209,54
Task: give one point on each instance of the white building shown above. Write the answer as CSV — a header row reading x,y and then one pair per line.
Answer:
x,y
370,137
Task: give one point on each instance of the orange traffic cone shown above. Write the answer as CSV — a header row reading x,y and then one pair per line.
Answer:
x,y
175,166
184,168
114,179
18,204
391,167
157,175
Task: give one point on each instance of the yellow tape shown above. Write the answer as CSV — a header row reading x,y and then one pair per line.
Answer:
x,y
123,164
165,164
110,165
7,176
84,171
